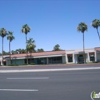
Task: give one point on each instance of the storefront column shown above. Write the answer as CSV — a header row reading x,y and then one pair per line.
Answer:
x,y
95,56
66,58
1,62
76,60
73,58
88,57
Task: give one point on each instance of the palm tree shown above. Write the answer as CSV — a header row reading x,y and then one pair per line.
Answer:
x,y
26,29
96,24
57,47
10,37
82,27
3,33
30,45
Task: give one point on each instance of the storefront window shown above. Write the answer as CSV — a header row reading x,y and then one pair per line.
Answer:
x,y
92,58
55,60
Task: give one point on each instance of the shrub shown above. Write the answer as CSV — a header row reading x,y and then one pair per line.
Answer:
x,y
13,65
32,64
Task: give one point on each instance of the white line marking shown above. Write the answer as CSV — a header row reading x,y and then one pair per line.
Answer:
x,y
24,90
46,70
29,78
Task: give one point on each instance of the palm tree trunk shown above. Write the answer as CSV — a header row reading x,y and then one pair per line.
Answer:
x,y
10,53
98,34
2,52
26,49
84,49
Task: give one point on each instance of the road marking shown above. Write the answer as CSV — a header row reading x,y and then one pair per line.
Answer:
x,y
23,90
29,78
47,70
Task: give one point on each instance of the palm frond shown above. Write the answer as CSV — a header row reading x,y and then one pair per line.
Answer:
x,y
25,29
82,27
10,36
96,23
3,32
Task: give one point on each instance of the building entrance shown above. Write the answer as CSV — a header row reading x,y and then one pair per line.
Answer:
x,y
80,59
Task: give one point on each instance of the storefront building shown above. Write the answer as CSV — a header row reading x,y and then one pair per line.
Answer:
x,y
55,57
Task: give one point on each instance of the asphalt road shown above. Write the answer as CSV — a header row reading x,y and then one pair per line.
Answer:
x,y
62,85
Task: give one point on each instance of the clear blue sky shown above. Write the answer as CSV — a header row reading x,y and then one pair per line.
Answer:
x,y
51,21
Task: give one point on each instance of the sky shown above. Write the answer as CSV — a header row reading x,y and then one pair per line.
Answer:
x,y
51,21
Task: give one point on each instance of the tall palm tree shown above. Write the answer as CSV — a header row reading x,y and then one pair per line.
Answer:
x,y
10,37
82,27
26,29
30,45
57,47
3,33
96,24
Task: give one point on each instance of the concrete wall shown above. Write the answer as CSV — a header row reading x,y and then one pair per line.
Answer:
x,y
75,61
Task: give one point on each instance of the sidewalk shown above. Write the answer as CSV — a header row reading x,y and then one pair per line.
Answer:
x,y
91,64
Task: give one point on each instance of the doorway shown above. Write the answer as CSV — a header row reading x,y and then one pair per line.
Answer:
x,y
80,59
